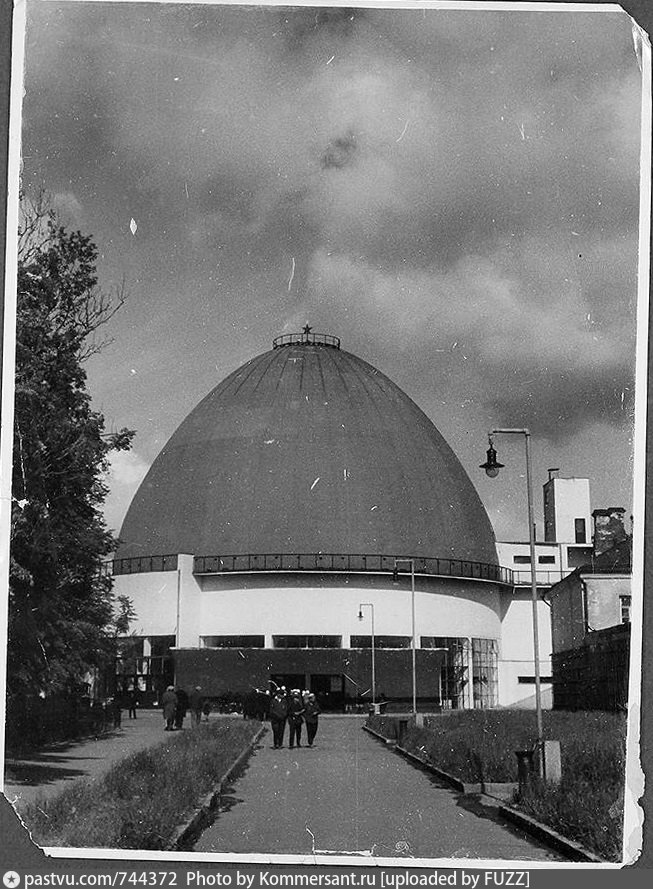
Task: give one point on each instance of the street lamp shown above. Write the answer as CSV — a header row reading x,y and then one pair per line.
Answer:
x,y
492,467
395,579
360,617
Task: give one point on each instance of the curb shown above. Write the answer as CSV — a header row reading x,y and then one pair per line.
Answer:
x,y
203,815
540,831
379,737
551,837
440,773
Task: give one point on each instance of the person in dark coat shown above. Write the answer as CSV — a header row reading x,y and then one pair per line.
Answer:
x,y
132,703
311,714
169,704
262,705
278,715
295,718
195,702
182,707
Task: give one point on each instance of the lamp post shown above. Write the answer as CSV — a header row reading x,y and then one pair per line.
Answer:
x,y
492,467
370,605
395,578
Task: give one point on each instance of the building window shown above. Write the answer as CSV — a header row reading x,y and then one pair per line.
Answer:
x,y
307,641
579,530
624,602
577,556
380,641
160,645
233,641
455,686
522,560
148,674
530,680
485,657
546,560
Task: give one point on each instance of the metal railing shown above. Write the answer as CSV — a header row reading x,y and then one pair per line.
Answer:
x,y
299,339
542,577
347,563
141,565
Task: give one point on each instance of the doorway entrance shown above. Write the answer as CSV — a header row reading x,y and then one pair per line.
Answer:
x,y
329,689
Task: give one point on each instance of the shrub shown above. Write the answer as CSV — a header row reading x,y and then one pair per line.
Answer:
x,y
139,802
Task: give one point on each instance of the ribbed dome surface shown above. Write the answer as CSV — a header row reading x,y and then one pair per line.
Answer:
x,y
307,449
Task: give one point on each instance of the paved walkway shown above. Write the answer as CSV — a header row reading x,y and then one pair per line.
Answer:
x,y
347,795
46,772
351,795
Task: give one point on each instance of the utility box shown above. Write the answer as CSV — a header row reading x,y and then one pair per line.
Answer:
x,y
552,762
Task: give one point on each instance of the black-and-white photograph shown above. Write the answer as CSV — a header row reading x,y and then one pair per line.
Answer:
x,y
323,440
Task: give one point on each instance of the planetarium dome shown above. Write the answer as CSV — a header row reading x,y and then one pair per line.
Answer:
x,y
307,449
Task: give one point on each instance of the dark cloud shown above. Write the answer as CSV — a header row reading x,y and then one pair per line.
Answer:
x,y
304,25
340,152
447,189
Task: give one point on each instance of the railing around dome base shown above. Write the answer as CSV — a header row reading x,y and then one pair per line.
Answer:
x,y
141,564
305,339
347,563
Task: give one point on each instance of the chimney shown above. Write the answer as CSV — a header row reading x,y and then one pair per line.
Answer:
x,y
609,528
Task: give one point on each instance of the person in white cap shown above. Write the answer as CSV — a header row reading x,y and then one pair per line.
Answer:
x,y
311,713
278,715
195,701
295,718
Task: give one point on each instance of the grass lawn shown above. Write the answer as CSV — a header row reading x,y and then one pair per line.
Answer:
x,y
140,802
479,745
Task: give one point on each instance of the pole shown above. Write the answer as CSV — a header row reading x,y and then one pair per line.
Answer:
x,y
373,670
534,599
412,605
370,605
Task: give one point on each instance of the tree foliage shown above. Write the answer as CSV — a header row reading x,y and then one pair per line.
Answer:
x,y
61,609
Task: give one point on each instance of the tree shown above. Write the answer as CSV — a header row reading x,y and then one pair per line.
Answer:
x,y
61,606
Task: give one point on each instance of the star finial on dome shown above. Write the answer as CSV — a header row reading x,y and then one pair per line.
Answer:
x,y
307,329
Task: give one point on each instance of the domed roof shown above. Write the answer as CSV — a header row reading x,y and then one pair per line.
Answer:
x,y
307,449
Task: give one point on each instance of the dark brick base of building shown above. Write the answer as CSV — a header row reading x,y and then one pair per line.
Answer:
x,y
595,675
338,676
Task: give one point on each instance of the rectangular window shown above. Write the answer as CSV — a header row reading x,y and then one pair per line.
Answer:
x,y
625,609
456,693
579,530
485,656
380,641
307,641
546,560
161,645
578,555
522,560
233,642
530,680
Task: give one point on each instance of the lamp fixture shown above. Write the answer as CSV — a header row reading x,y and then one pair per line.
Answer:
x,y
491,465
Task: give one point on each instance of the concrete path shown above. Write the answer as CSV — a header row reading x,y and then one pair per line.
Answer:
x,y
45,773
350,794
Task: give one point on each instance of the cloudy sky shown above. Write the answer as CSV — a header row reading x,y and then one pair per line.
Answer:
x,y
453,193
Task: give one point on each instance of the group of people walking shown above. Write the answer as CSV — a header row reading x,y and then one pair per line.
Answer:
x,y
176,703
295,708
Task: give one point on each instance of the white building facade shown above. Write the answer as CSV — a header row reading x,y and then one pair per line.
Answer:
x,y
308,525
